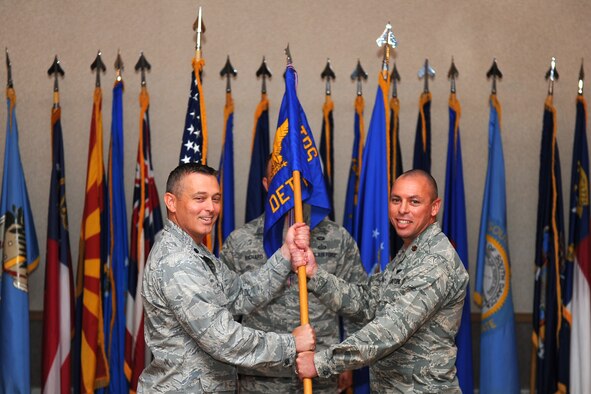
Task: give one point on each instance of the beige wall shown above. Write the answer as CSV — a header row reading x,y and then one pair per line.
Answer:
x,y
521,35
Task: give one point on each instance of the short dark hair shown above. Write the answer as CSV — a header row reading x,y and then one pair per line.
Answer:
x,y
175,176
430,180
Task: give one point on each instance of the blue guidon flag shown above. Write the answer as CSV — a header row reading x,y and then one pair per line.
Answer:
x,y
293,150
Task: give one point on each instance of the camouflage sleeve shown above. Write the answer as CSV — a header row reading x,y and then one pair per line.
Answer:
x,y
350,268
255,288
195,298
404,309
352,300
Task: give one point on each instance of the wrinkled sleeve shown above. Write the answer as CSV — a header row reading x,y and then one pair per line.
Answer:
x,y
193,297
252,289
350,269
407,308
352,300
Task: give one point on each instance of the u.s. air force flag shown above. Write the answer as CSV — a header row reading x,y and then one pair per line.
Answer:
x,y
293,150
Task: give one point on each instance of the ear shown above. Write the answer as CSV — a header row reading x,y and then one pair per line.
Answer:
x,y
435,206
170,201
266,183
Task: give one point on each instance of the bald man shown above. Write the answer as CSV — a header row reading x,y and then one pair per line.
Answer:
x,y
412,310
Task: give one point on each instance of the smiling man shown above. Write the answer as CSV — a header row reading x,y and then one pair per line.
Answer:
x,y
190,297
412,309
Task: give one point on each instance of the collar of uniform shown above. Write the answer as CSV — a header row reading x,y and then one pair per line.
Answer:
x,y
180,234
420,241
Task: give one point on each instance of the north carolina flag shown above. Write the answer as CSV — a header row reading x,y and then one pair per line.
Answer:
x,y
293,150
454,226
91,359
259,152
549,372
498,349
20,252
118,249
355,168
146,222
58,296
225,223
422,152
327,149
579,259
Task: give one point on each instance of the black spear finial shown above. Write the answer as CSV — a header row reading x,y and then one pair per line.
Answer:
x,y
142,65
581,79
228,71
99,67
452,74
551,76
264,73
358,75
56,70
425,73
495,73
328,74
8,70
118,66
395,77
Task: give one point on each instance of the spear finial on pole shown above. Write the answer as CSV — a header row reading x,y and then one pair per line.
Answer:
x,y
228,71
55,70
425,73
328,74
495,73
99,66
118,66
142,65
8,70
551,76
395,77
264,72
359,74
199,28
581,79
288,55
386,40
452,74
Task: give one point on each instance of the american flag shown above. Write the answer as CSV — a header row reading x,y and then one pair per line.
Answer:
x,y
194,146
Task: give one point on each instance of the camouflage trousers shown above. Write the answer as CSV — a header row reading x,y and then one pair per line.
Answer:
x,y
266,385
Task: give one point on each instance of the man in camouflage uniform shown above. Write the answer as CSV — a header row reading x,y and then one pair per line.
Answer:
x,y
190,298
412,309
337,253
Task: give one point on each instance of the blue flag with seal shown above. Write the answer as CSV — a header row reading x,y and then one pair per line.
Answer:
x,y
20,251
498,350
454,226
293,150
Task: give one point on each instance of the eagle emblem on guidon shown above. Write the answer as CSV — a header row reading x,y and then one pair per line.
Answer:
x,y
14,248
277,162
